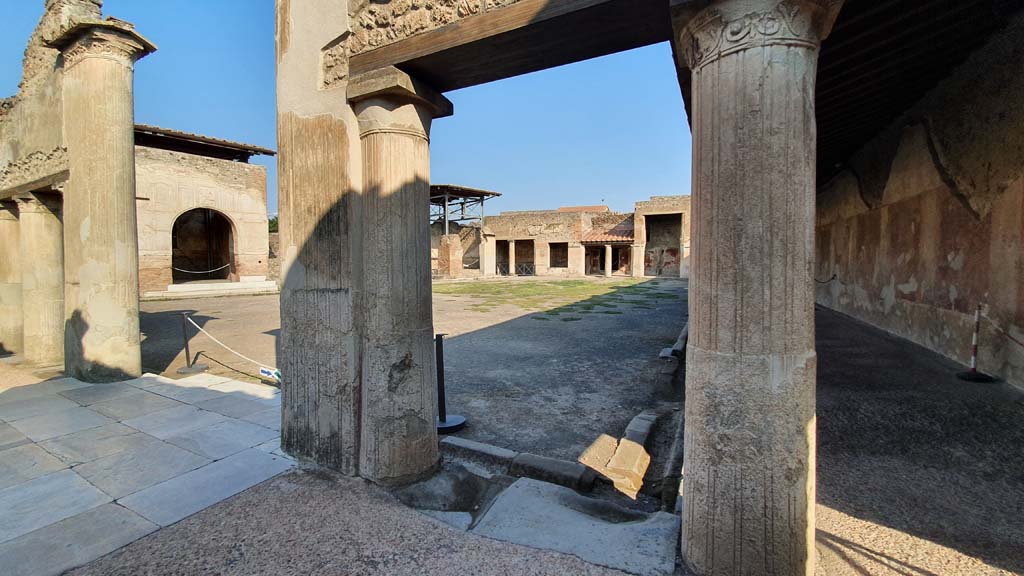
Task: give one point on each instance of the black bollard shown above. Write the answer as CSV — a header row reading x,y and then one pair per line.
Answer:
x,y
445,424
189,367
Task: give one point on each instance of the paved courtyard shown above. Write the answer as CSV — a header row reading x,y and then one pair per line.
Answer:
x,y
536,365
86,469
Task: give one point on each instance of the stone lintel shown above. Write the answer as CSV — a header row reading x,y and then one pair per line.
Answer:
x,y
390,82
110,37
39,202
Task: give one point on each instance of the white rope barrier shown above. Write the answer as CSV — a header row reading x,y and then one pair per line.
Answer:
x,y
270,372
206,272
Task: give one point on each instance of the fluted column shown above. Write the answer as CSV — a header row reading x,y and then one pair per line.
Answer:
x,y
101,245
42,278
10,280
748,484
399,397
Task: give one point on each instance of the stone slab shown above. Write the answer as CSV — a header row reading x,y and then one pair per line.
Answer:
x,y
174,421
458,520
233,405
95,443
270,446
147,381
571,474
90,395
24,463
134,405
10,437
550,517
254,391
223,438
204,380
42,501
178,498
48,388
132,470
54,424
186,394
267,418
35,406
73,541
476,449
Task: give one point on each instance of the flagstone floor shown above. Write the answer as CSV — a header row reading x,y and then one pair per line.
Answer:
x,y
88,468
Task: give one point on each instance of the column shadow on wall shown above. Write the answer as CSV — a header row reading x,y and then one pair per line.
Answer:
x,y
904,444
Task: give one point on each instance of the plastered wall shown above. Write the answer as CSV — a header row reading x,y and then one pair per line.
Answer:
x,y
914,240
170,183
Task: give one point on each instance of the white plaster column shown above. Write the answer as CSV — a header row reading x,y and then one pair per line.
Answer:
x,y
607,261
10,280
487,256
399,395
577,259
42,278
748,487
101,245
511,257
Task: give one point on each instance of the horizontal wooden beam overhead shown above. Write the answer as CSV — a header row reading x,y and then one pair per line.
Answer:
x,y
524,37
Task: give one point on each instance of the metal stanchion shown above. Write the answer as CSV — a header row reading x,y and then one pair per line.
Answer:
x,y
446,423
973,374
189,367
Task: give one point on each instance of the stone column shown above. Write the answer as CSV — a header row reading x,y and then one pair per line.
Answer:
x,y
399,395
10,280
577,259
102,246
319,183
511,257
42,278
487,256
749,466
607,261
636,260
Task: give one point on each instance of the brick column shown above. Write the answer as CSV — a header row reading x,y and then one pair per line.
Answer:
x,y
101,245
750,424
42,278
10,280
399,395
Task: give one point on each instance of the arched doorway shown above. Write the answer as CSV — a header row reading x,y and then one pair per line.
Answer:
x,y
201,247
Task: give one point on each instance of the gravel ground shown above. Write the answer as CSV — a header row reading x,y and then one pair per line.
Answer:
x,y
318,523
918,472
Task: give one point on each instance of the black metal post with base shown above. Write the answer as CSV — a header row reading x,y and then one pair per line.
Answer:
x,y
446,423
190,367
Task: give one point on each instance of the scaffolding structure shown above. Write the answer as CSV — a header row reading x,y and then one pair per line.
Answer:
x,y
450,203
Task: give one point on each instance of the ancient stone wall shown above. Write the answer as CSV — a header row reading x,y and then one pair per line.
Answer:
x,y
942,231
170,183
31,128
377,23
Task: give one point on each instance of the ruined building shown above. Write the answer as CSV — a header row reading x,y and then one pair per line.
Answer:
x,y
654,240
862,155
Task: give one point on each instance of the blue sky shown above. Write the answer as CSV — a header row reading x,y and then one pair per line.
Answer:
x,y
606,131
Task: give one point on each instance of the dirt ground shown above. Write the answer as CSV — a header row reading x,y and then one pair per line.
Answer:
x,y
918,474
535,365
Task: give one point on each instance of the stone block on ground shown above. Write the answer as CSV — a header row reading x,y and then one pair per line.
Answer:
x,y
170,501
571,474
549,517
132,470
223,439
54,424
270,418
597,455
95,443
233,405
174,421
477,451
48,388
42,501
72,542
89,395
24,463
131,406
33,406
10,437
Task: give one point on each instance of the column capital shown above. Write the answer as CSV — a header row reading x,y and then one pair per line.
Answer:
x,y
389,100
38,204
110,39
710,29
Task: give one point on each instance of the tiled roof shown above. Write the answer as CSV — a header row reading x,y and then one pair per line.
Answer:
x,y
618,234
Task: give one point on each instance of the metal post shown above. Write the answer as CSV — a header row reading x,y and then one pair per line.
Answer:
x,y
445,424
973,374
189,368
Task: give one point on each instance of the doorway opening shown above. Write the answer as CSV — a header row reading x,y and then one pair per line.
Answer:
x,y
201,247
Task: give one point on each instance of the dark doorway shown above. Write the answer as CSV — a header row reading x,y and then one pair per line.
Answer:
x,y
594,264
525,264
501,257
664,234
201,247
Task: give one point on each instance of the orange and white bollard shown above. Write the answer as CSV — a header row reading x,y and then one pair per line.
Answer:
x,y
973,375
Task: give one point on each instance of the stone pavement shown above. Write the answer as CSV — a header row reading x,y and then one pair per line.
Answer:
x,y
86,469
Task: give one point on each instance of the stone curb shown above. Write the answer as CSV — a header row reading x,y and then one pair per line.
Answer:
x,y
477,451
569,474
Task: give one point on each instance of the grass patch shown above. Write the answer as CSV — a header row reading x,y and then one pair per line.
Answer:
x,y
538,295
